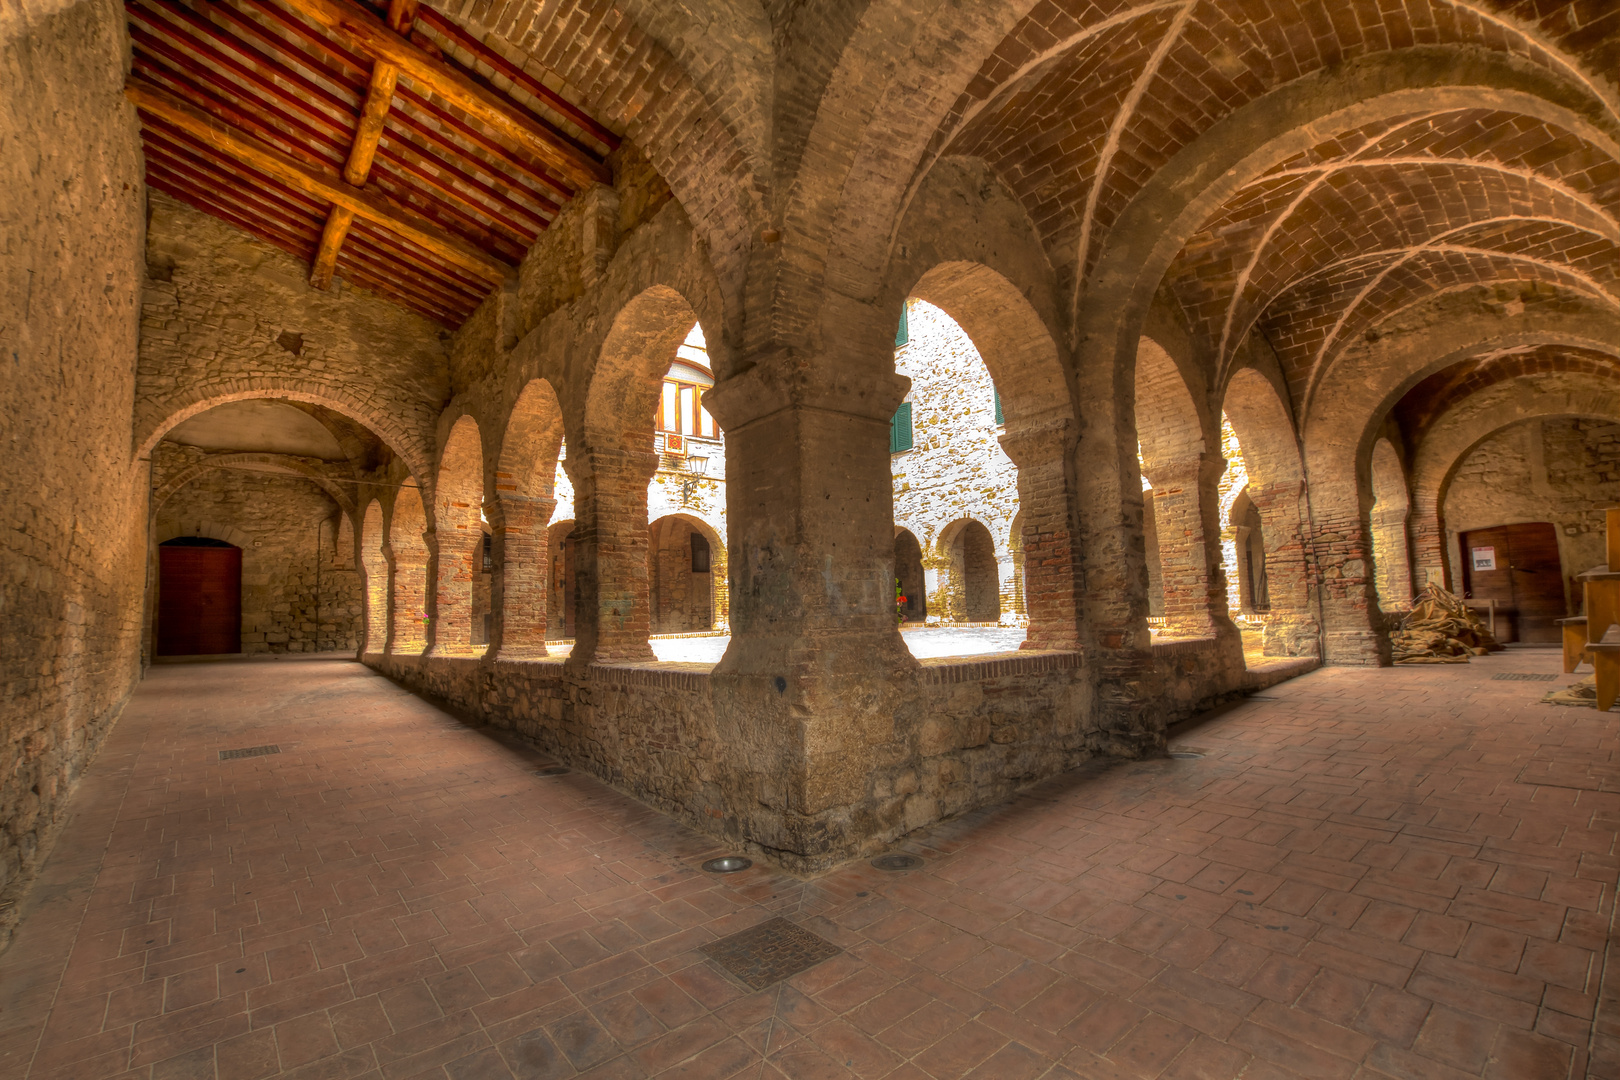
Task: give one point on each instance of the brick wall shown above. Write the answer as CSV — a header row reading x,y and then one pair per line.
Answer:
x,y
71,499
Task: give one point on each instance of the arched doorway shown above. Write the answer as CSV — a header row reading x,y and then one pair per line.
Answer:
x,y
908,570
973,592
199,597
682,567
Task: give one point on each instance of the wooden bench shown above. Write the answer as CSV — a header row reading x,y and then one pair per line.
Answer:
x,y
1606,664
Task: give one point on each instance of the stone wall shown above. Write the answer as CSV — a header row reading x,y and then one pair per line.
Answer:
x,y
71,497
226,316
975,733
1563,471
287,606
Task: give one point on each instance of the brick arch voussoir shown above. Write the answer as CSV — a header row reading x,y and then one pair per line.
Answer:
x,y
1389,483
1257,405
1012,338
630,362
531,442
412,442
230,534
867,142
1170,425
1254,138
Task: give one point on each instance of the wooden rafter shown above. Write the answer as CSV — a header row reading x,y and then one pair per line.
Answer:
x,y
313,182
373,115
358,29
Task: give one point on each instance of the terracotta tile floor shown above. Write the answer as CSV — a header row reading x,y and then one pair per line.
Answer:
x,y
1404,873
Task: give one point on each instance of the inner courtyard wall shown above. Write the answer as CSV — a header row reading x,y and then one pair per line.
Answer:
x,y
956,467
287,606
71,496
1565,471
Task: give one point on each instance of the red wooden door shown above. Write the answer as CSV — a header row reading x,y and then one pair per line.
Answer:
x,y
199,600
1518,566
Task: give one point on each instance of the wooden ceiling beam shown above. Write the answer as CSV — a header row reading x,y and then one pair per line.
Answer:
x,y
360,30
295,174
373,115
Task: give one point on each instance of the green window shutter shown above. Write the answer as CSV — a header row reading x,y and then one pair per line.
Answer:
x,y
999,418
900,429
903,334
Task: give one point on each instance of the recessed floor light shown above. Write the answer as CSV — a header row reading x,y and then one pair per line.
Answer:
x,y
552,770
728,864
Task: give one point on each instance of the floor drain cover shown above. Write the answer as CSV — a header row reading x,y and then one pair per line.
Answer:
x,y
1522,676
1185,755
770,952
552,770
897,862
248,751
728,864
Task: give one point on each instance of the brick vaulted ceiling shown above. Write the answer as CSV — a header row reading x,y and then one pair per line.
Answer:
x,y
1085,101
390,148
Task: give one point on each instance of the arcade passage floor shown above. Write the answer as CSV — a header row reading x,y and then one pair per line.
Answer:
x,y
1406,873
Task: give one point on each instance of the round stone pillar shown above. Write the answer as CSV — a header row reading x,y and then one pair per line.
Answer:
x,y
517,587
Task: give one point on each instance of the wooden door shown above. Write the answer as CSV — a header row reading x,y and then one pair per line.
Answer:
x,y
199,600
1518,567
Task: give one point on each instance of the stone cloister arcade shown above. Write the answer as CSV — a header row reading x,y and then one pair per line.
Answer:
x,y
1365,247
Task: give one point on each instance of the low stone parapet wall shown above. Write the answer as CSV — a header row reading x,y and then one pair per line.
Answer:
x,y
983,729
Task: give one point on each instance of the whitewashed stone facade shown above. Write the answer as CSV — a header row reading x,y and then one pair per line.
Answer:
x,y
955,471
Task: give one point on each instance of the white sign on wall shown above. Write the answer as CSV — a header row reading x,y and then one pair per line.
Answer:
x,y
1484,558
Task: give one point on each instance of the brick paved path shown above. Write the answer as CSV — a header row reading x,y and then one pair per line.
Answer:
x,y
1403,873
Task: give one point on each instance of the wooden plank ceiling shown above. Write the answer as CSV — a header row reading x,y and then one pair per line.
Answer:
x,y
389,148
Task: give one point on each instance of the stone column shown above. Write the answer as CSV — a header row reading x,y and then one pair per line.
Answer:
x,y
517,586
407,600
381,637
1291,625
1047,512
809,690
611,604
1352,624
1186,512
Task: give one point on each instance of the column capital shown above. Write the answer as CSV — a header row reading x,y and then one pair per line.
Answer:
x,y
589,461
780,379
1196,469
1040,439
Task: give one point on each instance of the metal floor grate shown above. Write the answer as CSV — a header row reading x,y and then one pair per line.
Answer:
x,y
770,952
248,751
1522,676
